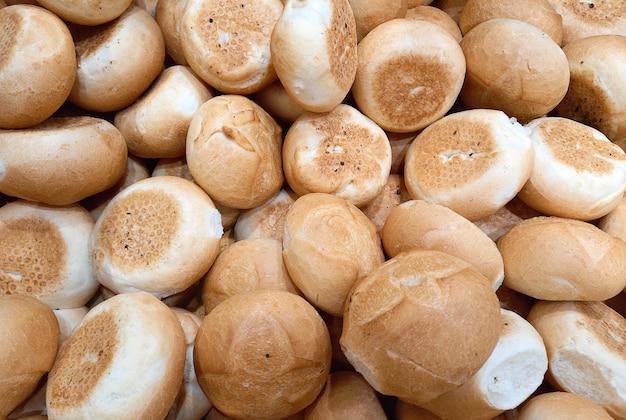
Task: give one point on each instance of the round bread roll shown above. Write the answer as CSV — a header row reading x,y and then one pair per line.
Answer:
x,y
156,125
346,395
314,51
234,151
585,18
596,95
513,372
409,74
341,152
275,100
43,253
89,13
473,162
452,7
38,65
539,13
246,265
124,360
559,405
614,222
369,14
227,42
159,235
329,244
393,194
266,220
515,67
34,162
420,325
29,333
112,72
420,224
585,345
553,258
436,16
168,14
577,172
262,354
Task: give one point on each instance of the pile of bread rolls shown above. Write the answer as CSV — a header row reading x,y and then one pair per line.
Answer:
x,y
312,209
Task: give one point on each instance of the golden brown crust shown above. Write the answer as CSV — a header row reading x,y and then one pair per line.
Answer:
x,y
437,16
369,14
89,13
560,405
168,14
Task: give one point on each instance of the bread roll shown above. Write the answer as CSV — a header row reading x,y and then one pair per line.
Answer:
x,y
511,374
68,319
156,125
420,325
29,333
409,74
346,395
125,360
614,222
369,14
553,258
539,13
328,245
585,345
43,253
148,5
168,14
159,235
314,51
577,172
393,194
436,16
473,162
515,67
452,7
234,151
266,220
341,152
420,224
262,354
89,13
275,100
246,265
227,43
560,405
112,71
38,65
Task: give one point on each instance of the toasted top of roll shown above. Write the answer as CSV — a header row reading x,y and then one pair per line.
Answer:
x,y
100,372
559,405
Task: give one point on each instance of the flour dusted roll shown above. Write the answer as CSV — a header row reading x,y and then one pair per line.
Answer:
x,y
160,235
38,65
124,360
88,13
559,405
43,253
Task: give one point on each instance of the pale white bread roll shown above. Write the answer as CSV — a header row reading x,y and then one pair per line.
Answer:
x,y
329,244
341,152
155,126
553,258
159,235
44,253
124,360
168,15
584,18
68,319
244,266
596,95
437,16
227,43
275,100
35,162
400,143
585,345
505,218
560,405
614,222
266,220
420,224
263,354
472,161
515,67
234,151
452,7
346,395
409,74
29,333
369,14
84,12
512,373
393,194
190,403
314,51
577,171
112,72
420,325
539,13
38,65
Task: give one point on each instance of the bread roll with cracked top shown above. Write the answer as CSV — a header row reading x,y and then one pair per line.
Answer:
x,y
88,13
559,405
125,360
30,333
266,220
160,235
446,322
